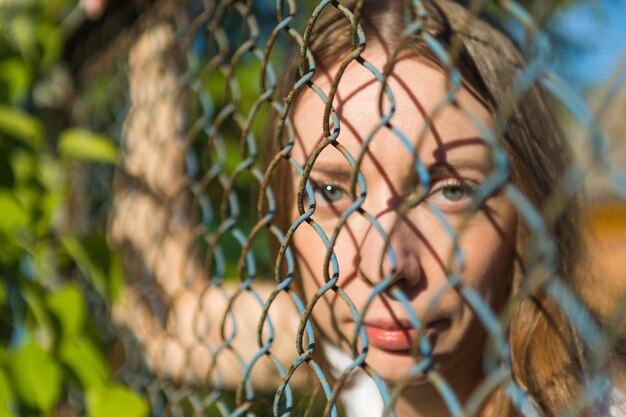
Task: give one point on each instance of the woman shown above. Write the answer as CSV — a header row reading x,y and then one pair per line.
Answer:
x,y
420,204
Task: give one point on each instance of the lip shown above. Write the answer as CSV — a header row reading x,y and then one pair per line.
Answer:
x,y
396,336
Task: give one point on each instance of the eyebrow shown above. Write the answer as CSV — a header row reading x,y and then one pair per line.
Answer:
x,y
456,165
340,172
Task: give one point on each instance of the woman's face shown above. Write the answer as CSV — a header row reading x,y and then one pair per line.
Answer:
x,y
457,159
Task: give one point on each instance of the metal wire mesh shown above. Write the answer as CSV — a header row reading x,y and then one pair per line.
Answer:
x,y
218,202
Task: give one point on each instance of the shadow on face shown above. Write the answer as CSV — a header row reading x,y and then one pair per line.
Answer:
x,y
392,223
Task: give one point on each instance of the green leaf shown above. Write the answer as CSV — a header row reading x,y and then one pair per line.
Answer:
x,y
36,376
85,361
33,294
85,145
11,252
80,251
21,35
28,196
24,165
48,206
69,308
13,214
17,78
20,125
97,262
115,401
6,396
50,43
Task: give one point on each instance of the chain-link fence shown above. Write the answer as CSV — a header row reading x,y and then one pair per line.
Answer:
x,y
364,208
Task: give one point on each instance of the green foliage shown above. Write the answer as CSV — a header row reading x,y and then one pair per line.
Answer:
x,y
85,361
20,125
97,262
36,377
13,214
51,352
115,401
48,345
68,306
15,75
6,395
88,146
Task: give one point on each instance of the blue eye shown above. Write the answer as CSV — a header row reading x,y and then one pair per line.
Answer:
x,y
455,192
452,191
330,193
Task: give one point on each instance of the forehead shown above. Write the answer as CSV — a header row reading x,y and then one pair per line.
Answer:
x,y
437,128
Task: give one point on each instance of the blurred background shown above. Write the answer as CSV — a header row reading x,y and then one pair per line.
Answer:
x,y
64,95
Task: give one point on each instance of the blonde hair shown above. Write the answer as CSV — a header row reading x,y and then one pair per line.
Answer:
x,y
548,357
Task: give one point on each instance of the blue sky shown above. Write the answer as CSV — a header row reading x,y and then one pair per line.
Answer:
x,y
601,27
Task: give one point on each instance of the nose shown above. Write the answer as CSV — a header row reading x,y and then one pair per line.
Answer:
x,y
391,248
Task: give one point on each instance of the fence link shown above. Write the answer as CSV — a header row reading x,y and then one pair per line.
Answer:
x,y
362,208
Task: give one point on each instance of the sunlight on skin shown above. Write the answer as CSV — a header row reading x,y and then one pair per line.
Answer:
x,y
457,160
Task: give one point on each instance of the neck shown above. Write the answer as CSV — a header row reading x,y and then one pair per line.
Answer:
x,y
425,400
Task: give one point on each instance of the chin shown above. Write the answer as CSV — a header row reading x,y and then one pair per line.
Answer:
x,y
395,366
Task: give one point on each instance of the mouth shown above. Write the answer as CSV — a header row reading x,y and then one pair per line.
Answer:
x,y
397,336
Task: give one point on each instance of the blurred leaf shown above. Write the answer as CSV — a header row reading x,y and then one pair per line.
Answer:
x,y
45,263
24,165
51,172
115,401
85,361
36,376
68,306
6,396
82,254
48,37
97,262
10,252
13,215
248,78
33,294
49,204
17,78
85,145
54,9
54,179
21,35
20,125
28,198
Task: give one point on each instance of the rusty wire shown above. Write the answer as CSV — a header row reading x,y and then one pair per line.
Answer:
x,y
197,290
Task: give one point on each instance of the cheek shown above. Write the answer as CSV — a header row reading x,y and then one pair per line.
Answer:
x,y
489,251
483,254
310,252
330,310
489,273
